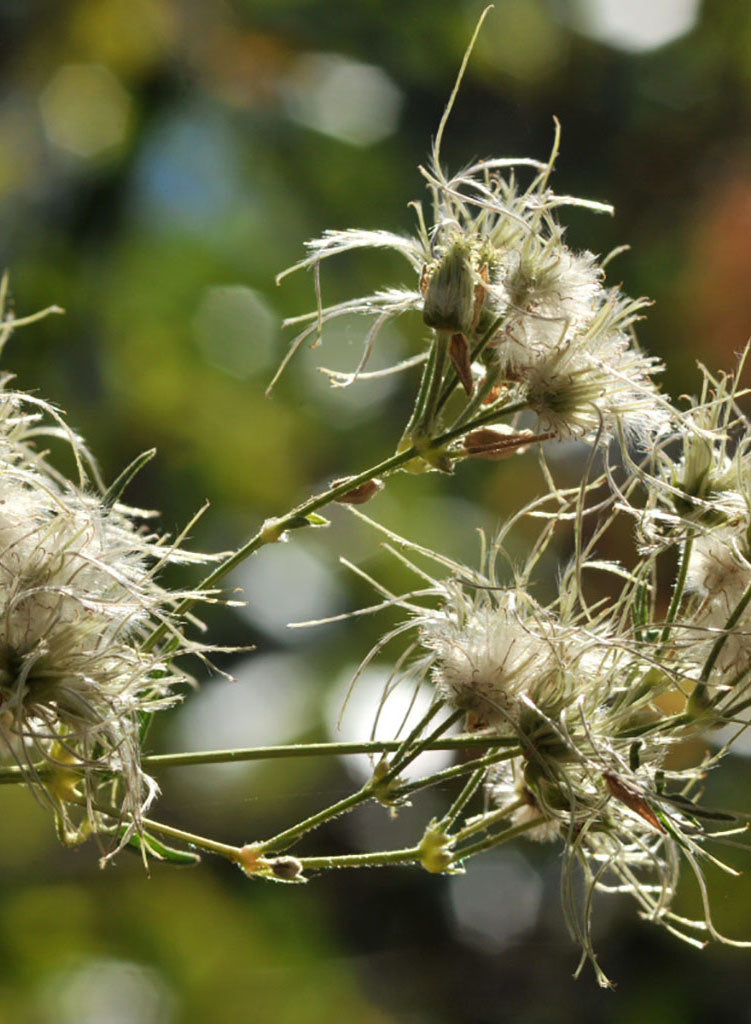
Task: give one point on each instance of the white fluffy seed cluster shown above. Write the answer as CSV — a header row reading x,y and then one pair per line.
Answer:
x,y
490,657
702,502
584,698
494,265
78,599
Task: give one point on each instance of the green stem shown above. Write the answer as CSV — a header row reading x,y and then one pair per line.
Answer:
x,y
406,743
468,791
446,774
424,425
720,641
680,586
291,750
485,820
401,760
18,776
348,803
14,776
451,378
477,400
491,416
286,838
411,855
425,383
233,853
495,840
273,529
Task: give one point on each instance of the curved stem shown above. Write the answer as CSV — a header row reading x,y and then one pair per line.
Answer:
x,y
273,529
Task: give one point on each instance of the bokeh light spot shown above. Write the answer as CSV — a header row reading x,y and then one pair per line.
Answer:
x,y
351,713
351,101
265,702
284,584
496,901
638,26
85,109
234,329
111,991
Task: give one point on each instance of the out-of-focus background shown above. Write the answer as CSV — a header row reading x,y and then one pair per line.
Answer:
x,y
160,162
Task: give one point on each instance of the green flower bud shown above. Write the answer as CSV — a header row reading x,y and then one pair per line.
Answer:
x,y
450,294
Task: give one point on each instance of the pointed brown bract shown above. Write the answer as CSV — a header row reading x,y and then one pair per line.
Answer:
x,y
634,801
459,352
359,495
480,293
487,443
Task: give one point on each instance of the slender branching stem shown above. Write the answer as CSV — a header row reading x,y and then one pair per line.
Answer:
x,y
371,789
285,839
274,529
411,855
410,752
496,840
457,770
233,853
484,821
468,791
290,750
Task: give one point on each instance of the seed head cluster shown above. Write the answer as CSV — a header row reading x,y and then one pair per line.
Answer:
x,y
536,318
79,598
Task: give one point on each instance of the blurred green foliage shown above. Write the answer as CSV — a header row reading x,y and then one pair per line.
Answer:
x,y
161,162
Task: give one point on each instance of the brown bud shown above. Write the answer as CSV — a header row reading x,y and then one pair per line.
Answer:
x,y
633,800
459,352
359,495
480,293
493,395
487,443
286,869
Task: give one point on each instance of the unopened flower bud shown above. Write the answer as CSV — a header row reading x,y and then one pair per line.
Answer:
x,y
286,869
436,853
450,293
